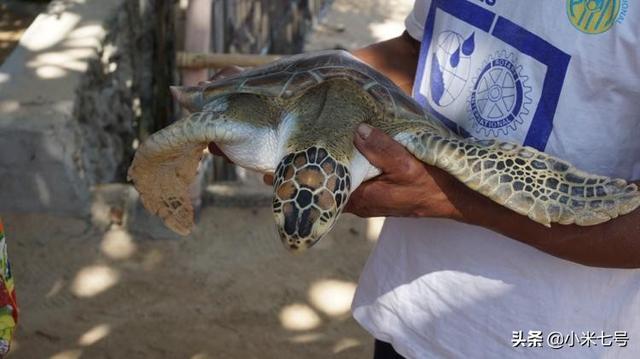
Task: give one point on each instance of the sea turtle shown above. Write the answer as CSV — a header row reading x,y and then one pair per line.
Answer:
x,y
296,117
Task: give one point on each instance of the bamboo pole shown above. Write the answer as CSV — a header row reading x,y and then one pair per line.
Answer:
x,y
191,60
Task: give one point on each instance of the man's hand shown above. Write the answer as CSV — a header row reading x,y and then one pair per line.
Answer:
x,y
223,73
406,187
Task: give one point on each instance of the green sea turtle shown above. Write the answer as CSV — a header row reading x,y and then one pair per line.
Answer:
x,y
296,117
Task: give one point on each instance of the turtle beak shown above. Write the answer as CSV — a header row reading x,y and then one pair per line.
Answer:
x,y
310,191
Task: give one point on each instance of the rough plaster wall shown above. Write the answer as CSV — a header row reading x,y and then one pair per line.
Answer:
x,y
125,92
105,105
39,165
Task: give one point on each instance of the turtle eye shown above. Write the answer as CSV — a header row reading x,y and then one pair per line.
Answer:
x,y
310,191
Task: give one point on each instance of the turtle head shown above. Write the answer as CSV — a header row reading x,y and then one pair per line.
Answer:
x,y
310,191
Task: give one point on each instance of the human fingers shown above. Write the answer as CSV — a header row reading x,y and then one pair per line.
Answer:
x,y
268,179
384,152
215,150
223,73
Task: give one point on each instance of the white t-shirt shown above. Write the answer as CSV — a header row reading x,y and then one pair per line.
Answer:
x,y
559,75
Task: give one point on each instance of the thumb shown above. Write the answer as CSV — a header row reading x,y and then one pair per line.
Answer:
x,y
380,149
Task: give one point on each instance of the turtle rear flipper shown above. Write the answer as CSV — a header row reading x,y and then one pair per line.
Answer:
x,y
527,181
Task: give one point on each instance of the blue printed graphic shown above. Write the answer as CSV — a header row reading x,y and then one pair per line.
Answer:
x,y
499,97
498,100
450,67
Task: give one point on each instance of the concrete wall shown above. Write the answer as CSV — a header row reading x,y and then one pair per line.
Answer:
x,y
69,98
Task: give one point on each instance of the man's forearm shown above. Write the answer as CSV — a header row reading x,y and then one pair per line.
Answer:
x,y
396,58
614,244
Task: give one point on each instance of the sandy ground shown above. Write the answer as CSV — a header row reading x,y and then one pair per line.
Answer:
x,y
229,291
351,24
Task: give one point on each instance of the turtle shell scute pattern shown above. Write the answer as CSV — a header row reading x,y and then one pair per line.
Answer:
x,y
546,189
293,75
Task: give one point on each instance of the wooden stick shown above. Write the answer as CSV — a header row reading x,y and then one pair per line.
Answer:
x,y
197,37
191,60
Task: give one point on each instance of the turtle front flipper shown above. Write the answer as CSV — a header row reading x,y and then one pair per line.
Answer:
x,y
529,182
166,164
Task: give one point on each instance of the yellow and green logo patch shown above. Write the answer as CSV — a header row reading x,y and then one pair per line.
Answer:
x,y
593,16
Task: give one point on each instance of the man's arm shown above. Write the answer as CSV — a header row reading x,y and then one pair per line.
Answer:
x,y
396,58
410,188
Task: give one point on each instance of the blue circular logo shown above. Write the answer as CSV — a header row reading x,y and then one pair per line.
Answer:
x,y
498,97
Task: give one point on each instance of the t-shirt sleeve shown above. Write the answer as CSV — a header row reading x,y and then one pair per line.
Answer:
x,y
415,21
